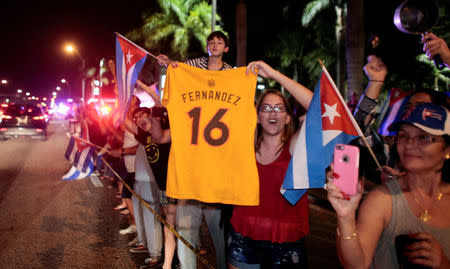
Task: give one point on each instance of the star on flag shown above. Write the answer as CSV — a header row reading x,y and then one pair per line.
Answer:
x,y
330,112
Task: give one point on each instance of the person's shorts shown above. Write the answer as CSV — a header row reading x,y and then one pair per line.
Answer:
x,y
246,253
129,180
165,200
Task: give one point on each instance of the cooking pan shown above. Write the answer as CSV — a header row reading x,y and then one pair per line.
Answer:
x,y
417,17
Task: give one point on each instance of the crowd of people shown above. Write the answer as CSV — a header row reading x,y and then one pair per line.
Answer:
x,y
412,197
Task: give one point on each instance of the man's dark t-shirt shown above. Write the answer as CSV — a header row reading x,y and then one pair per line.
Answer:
x,y
157,155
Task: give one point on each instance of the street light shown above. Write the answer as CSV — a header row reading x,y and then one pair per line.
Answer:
x,y
58,88
71,49
63,81
19,91
27,94
4,81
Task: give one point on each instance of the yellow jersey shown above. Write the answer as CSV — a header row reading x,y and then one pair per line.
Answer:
x,y
212,120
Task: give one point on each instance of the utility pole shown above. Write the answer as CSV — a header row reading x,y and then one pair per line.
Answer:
x,y
213,17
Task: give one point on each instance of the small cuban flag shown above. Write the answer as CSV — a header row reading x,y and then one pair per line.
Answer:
x,y
328,122
80,154
75,174
397,101
130,59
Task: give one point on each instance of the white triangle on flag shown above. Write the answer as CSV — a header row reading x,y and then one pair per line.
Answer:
x,y
328,135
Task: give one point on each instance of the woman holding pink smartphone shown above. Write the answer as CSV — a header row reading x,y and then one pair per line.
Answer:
x,y
412,209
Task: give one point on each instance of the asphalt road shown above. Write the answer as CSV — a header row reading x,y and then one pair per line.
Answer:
x,y
46,222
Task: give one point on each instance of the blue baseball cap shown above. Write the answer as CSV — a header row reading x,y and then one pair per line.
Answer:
x,y
428,117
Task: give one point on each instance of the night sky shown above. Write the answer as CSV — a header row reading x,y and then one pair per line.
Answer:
x,y
34,32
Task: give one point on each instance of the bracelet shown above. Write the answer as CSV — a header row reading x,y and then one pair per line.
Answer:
x,y
353,235
374,80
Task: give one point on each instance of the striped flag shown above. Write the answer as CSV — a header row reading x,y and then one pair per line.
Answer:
x,y
130,59
75,174
328,122
397,103
80,154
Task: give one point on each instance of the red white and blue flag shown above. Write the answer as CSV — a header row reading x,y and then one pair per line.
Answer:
x,y
75,174
80,153
328,122
130,59
397,101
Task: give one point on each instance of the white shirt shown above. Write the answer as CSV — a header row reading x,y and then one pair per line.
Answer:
x,y
128,142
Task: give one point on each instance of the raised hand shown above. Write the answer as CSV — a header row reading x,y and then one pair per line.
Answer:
x,y
375,69
344,205
433,45
262,69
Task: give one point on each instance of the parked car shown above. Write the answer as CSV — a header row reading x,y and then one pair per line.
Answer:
x,y
23,120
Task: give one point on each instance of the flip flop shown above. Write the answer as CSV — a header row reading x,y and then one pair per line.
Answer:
x,y
125,212
120,208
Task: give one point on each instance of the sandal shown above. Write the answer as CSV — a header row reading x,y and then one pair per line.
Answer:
x,y
119,207
125,212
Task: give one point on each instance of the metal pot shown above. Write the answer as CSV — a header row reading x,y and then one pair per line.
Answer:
x,y
418,17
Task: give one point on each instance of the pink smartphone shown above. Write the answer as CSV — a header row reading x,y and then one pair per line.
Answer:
x,y
346,165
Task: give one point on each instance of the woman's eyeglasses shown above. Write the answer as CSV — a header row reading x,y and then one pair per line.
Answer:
x,y
423,139
269,108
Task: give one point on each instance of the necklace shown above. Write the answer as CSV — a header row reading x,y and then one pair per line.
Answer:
x,y
425,217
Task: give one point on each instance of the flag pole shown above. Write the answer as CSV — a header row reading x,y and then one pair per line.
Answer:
x,y
90,143
141,49
352,119
161,219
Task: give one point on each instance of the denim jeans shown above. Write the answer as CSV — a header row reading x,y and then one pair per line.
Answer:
x,y
188,219
247,253
149,229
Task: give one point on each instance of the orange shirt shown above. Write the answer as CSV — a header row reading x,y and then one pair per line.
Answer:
x,y
212,120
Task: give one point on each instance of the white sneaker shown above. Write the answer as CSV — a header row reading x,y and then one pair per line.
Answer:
x,y
134,242
131,229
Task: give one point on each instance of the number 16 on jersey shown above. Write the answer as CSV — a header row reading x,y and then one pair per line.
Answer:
x,y
214,123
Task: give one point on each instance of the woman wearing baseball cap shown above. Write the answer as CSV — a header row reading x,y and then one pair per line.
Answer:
x,y
406,220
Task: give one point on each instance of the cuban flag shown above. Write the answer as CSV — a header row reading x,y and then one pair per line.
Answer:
x,y
130,59
397,103
328,122
75,174
80,154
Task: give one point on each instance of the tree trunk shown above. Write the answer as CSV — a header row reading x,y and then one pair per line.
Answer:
x,y
340,48
354,47
241,33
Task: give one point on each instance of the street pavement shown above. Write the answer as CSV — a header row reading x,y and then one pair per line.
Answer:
x,y
46,222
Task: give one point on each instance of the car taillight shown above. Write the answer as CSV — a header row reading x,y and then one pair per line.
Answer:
x,y
39,130
3,129
6,117
38,118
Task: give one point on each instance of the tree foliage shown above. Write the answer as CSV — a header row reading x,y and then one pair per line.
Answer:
x,y
182,23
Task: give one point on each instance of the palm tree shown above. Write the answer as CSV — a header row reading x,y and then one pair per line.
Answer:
x,y
311,11
354,43
180,22
349,25
241,33
436,75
